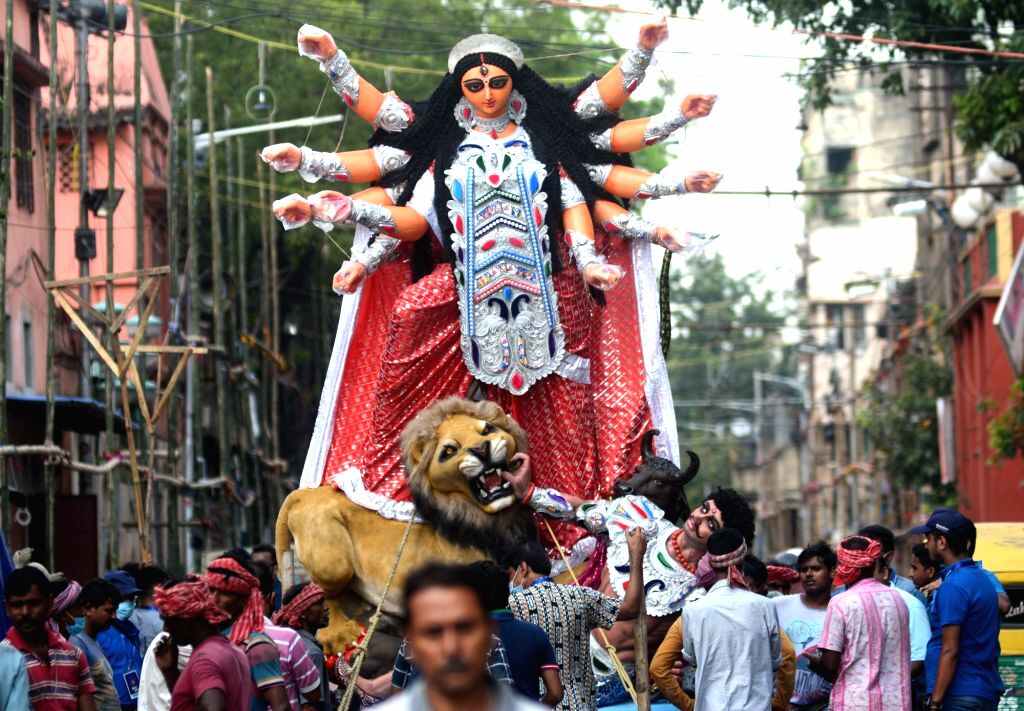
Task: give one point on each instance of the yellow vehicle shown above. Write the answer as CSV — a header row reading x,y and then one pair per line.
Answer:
x,y
1001,549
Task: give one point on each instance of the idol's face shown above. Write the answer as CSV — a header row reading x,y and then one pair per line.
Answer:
x,y
487,89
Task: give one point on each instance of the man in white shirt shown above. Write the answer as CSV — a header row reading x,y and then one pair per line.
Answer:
x,y
449,629
732,635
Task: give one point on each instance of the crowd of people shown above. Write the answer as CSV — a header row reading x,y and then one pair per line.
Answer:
x,y
840,630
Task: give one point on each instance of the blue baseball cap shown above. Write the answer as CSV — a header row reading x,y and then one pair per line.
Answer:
x,y
124,583
943,521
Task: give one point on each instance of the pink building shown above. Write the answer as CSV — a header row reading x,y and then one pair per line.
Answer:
x,y
80,507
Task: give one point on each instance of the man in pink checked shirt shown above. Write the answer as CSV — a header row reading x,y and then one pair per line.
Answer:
x,y
865,640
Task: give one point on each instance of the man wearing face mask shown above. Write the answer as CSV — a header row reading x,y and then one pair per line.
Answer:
x,y
94,613
120,642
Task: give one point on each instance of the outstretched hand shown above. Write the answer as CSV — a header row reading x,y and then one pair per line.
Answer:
x,y
282,157
520,476
348,278
330,206
703,181
636,543
697,106
602,276
652,35
293,211
316,43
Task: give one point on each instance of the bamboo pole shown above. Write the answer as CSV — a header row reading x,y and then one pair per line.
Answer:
x,y
5,200
640,663
230,325
140,216
174,230
133,458
192,395
113,517
49,470
243,285
263,490
217,287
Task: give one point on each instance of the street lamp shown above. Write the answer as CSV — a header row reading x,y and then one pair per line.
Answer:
x,y
102,203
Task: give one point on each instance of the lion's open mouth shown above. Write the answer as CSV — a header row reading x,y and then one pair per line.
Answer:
x,y
490,486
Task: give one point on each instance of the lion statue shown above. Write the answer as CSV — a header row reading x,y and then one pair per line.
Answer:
x,y
455,452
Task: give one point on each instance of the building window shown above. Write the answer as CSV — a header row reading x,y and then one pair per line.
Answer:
x,y
857,327
29,349
993,251
24,179
838,159
834,323
67,157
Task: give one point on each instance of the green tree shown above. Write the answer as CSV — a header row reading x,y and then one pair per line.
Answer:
x,y
724,329
900,418
990,109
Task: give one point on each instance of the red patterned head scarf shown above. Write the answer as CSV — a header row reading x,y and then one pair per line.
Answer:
x,y
782,574
228,575
731,562
291,614
189,599
852,562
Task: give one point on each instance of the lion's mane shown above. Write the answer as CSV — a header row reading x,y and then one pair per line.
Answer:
x,y
455,518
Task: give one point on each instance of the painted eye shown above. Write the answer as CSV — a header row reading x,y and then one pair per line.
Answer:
x,y
499,82
447,452
473,85
488,429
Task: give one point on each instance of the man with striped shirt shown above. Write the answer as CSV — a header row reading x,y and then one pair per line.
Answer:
x,y
58,673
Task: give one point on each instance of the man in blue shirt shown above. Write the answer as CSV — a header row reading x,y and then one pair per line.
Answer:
x,y
531,657
120,642
963,652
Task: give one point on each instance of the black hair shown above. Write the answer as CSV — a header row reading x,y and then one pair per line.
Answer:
x,y
736,512
442,575
21,580
493,583
237,554
265,548
961,540
96,592
146,577
533,554
920,551
724,541
820,550
877,532
755,570
560,139
264,574
293,592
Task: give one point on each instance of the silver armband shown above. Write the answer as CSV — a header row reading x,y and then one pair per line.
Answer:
x,y
662,125
318,165
389,159
343,77
583,250
629,225
658,186
550,502
394,115
376,217
571,194
602,141
589,103
634,65
599,173
377,252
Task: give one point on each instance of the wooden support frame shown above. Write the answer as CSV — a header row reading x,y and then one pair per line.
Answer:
x,y
122,362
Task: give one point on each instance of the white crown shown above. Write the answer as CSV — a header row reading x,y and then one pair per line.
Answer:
x,y
476,44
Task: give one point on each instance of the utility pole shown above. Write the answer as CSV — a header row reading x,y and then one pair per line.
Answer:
x,y
85,238
192,400
49,470
5,201
113,482
217,286
851,443
174,232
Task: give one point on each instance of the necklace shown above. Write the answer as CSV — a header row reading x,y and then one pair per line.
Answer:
x,y
493,126
466,117
676,551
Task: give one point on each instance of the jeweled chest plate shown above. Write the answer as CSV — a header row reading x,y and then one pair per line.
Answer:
x,y
511,336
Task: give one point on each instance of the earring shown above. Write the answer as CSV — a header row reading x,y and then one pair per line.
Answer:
x,y
516,106
464,115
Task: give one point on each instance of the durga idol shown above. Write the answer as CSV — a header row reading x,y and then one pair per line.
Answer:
x,y
495,258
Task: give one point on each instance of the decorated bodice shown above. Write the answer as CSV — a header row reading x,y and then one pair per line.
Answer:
x,y
511,335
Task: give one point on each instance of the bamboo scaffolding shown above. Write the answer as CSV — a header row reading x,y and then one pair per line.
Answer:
x,y
5,199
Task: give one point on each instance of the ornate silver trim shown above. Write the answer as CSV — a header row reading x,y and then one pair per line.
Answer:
x,y
376,217
589,103
481,43
634,66
321,165
629,225
343,77
602,141
663,124
571,193
389,159
657,186
394,115
583,250
381,249
599,173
